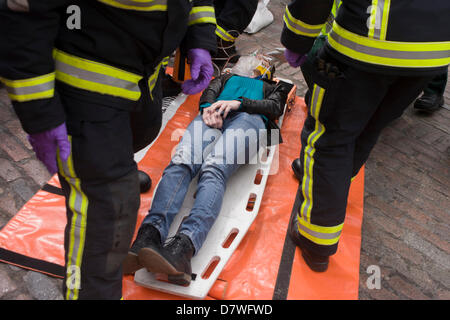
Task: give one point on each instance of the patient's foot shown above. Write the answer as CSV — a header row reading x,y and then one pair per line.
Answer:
x,y
174,259
148,236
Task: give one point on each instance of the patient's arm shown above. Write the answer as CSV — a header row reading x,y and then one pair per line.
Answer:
x,y
272,106
211,93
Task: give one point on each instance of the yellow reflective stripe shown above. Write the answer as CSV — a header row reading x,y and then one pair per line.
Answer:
x,y
154,77
378,21
220,32
384,21
329,24
138,5
96,87
318,234
202,14
301,28
95,66
32,96
23,90
309,151
373,18
389,53
78,204
97,77
29,82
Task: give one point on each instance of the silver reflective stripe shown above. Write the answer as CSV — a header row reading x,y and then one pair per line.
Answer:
x,y
320,235
385,53
307,181
201,14
18,5
31,89
96,77
224,35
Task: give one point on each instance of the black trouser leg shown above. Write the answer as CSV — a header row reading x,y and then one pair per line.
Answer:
x,y
102,197
338,135
437,85
235,14
399,96
146,121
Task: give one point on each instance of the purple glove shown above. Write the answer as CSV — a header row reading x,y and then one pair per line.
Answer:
x,y
294,59
46,143
201,71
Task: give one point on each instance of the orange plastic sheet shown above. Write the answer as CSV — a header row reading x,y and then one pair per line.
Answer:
x,y
266,264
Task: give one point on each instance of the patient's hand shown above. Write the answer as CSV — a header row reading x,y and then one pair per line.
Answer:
x,y
223,107
212,118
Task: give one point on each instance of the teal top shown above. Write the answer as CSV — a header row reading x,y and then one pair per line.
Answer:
x,y
238,87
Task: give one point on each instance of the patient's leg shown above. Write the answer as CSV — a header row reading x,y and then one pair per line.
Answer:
x,y
237,145
186,162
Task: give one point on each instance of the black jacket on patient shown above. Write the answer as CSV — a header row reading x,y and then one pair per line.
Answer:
x,y
271,107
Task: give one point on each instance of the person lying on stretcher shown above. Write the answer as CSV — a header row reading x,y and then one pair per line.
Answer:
x,y
213,146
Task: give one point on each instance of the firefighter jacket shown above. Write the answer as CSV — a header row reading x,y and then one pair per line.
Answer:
x,y
404,37
106,47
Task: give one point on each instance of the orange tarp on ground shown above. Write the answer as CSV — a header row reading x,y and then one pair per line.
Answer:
x,y
265,266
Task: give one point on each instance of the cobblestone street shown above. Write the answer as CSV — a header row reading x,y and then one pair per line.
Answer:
x,y
406,230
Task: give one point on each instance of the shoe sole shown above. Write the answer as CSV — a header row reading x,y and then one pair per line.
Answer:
x,y
131,264
154,262
423,108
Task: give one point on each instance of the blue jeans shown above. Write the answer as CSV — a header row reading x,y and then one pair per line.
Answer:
x,y
215,155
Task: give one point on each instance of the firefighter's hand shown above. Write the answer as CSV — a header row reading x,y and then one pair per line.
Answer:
x,y
46,144
202,71
294,59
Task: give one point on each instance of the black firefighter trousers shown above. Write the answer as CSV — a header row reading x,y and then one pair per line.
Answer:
x,y
346,115
101,186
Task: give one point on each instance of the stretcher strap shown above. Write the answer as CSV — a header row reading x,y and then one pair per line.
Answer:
x,y
281,289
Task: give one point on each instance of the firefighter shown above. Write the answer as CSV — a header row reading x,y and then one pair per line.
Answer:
x,y
83,78
233,16
378,57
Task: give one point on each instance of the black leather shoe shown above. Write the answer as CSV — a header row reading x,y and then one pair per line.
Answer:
x,y
145,182
173,259
170,87
148,236
429,102
296,167
315,262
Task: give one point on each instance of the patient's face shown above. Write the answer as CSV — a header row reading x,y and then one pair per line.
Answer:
x,y
251,66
